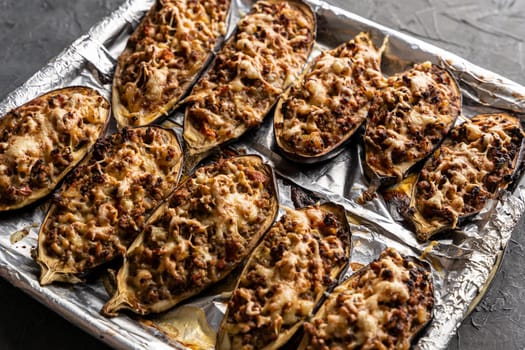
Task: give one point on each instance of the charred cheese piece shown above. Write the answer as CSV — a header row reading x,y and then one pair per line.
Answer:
x,y
264,55
105,201
299,258
164,56
209,225
477,159
42,140
382,306
324,108
408,120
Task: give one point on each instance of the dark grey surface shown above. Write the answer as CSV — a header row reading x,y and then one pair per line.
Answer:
x,y
489,33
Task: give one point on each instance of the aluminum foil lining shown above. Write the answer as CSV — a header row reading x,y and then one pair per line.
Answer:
x,y
461,263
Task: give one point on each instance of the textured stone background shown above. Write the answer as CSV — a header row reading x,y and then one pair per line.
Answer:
x,y
490,33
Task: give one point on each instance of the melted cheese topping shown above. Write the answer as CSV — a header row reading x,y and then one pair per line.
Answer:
x,y
210,224
104,203
410,118
382,306
298,259
265,54
164,55
476,160
42,139
332,100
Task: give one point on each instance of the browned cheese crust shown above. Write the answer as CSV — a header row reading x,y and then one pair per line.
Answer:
x,y
105,201
164,56
476,160
299,258
43,139
410,118
209,225
264,56
383,306
331,101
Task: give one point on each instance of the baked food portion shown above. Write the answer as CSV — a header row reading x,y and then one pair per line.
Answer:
x,y
382,306
164,56
105,201
409,120
477,159
45,138
298,260
208,226
330,101
263,57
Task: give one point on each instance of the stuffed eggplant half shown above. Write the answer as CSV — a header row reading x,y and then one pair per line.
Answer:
x,y
164,56
298,260
104,202
207,227
261,59
478,159
382,306
329,102
408,120
42,140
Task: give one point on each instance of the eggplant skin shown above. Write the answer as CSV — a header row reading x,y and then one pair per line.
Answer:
x,y
42,140
319,113
264,55
164,56
382,306
103,204
299,259
408,120
208,226
475,162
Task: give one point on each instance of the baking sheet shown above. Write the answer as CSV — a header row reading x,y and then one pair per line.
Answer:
x,y
461,263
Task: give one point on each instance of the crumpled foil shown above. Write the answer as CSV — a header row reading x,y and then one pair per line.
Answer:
x,y
462,264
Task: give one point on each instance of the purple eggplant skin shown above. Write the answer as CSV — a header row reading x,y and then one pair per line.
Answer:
x,y
422,104
478,159
328,225
72,133
330,101
227,85
405,293
191,217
